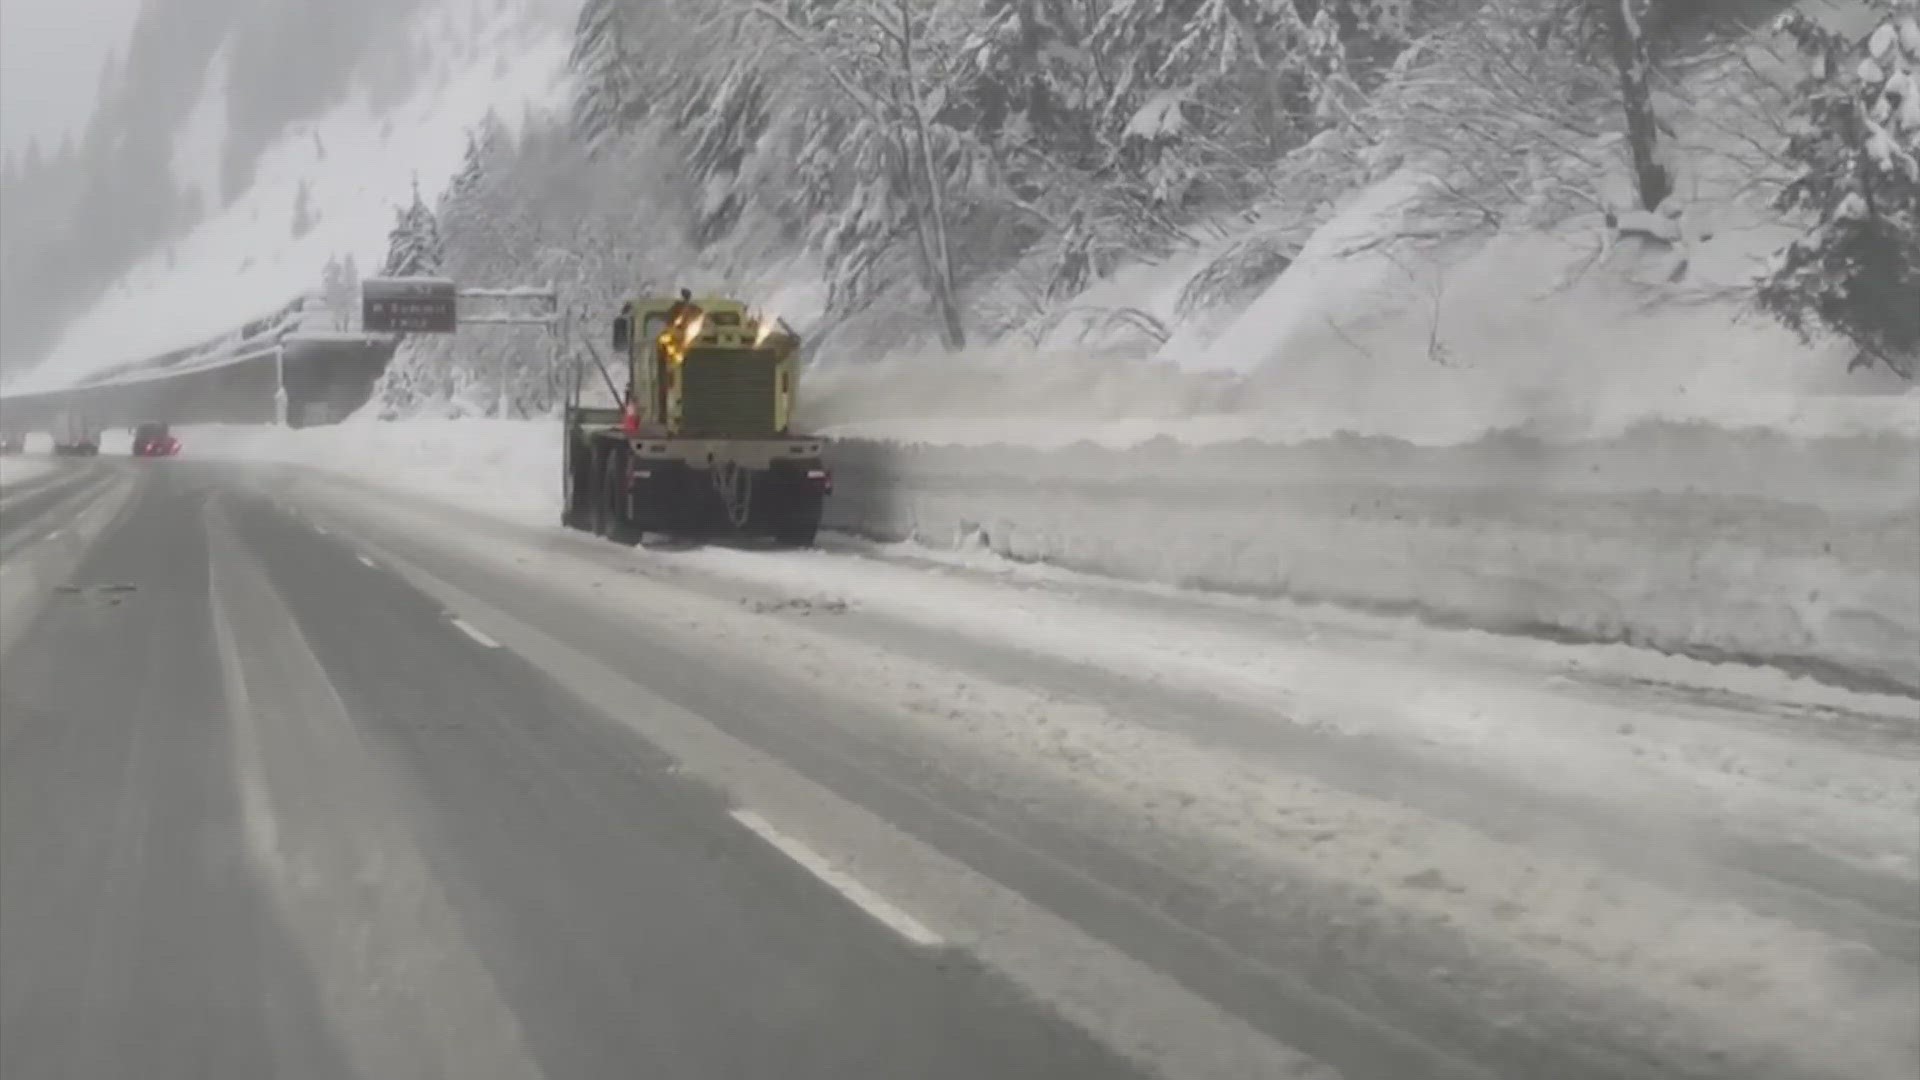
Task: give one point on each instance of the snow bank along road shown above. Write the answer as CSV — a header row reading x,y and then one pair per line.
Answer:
x,y
302,778
1704,542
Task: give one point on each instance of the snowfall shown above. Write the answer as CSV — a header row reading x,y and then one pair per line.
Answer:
x,y
1537,433
1595,455
1658,557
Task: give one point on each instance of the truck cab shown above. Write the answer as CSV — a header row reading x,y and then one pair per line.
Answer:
x,y
707,367
701,441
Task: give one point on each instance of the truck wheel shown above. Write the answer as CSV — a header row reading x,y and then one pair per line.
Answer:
x,y
613,499
570,486
592,502
599,508
798,527
798,520
797,533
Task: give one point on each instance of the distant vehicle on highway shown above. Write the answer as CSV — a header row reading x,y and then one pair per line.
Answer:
x,y
12,444
75,434
154,440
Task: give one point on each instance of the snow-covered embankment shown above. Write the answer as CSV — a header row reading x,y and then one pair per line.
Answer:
x,y
1797,553
1791,551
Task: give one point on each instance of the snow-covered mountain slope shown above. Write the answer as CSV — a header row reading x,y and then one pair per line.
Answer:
x,y
357,163
1404,314
1437,348
1565,333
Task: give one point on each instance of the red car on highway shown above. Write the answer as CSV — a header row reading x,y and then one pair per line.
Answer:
x,y
154,440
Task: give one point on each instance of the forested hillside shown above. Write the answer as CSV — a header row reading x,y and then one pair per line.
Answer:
x,y
923,174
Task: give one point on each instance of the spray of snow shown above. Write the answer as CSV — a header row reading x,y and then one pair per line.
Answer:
x,y
1342,263
1524,333
507,467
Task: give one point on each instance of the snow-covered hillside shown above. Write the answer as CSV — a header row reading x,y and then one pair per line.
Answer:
x,y
1462,254
1389,279
356,164
1412,307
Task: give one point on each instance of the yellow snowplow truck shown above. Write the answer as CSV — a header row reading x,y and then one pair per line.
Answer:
x,y
699,443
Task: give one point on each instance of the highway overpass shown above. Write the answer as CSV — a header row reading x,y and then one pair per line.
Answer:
x,y
235,378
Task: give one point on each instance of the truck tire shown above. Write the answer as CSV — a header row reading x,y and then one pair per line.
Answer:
x,y
797,526
797,521
612,520
566,482
800,533
570,487
599,510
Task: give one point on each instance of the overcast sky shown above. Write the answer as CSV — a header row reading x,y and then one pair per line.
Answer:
x,y
50,55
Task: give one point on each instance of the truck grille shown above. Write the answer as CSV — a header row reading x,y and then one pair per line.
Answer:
x,y
727,392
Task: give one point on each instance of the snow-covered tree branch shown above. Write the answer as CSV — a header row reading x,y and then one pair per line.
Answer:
x,y
1856,271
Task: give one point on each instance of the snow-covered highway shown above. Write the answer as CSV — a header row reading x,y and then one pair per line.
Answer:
x,y
382,786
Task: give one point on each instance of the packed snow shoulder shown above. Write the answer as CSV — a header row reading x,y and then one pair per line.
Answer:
x,y
1751,549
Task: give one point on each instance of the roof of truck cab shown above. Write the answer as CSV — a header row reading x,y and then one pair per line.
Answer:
x,y
707,303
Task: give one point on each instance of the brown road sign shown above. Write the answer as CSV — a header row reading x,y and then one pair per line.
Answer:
x,y
408,306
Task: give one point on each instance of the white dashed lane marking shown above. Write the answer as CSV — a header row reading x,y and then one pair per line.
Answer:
x,y
475,634
864,898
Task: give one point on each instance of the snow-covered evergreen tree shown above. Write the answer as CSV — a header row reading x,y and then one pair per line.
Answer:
x,y
467,180
304,217
1856,272
607,72
721,117
330,288
340,284
414,248
459,209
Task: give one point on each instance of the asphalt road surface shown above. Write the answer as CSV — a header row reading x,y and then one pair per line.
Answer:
x,y
267,814
285,794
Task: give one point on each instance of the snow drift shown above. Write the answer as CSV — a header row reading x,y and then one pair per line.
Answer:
x,y
1771,550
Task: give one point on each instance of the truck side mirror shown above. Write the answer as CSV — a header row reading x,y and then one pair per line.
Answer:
x,y
622,333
